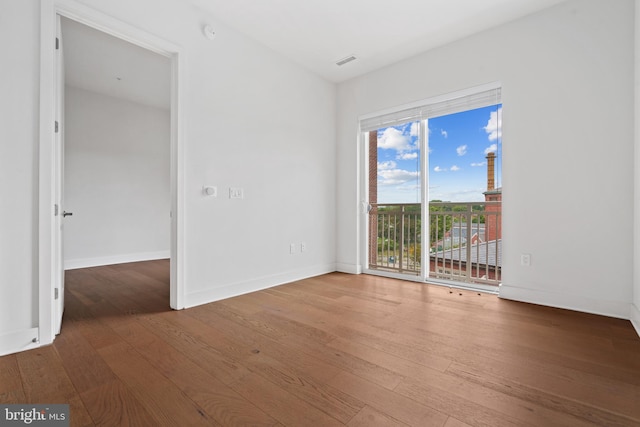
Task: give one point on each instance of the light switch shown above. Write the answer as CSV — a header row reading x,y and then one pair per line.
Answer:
x,y
236,193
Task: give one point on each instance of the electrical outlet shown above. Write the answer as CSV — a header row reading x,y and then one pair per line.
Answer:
x,y
303,247
525,260
292,248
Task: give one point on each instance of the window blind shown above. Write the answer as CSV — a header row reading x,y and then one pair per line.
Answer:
x,y
437,107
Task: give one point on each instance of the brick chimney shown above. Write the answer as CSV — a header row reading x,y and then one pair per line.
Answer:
x,y
491,160
493,217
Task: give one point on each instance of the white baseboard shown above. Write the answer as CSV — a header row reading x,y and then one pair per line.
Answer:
x,y
349,268
72,264
240,288
13,342
635,318
616,309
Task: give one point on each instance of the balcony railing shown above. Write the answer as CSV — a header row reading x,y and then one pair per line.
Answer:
x,y
395,237
465,240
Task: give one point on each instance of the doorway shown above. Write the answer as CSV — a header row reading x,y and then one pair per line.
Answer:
x,y
116,151
50,236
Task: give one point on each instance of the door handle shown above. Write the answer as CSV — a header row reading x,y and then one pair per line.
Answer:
x,y
66,214
366,207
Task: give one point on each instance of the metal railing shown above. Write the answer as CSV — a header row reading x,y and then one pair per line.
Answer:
x,y
465,240
395,232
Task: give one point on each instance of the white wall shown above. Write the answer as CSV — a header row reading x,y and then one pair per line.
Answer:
x,y
252,120
635,309
18,174
117,180
567,75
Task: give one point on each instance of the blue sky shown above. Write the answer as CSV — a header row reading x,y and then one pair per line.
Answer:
x,y
457,143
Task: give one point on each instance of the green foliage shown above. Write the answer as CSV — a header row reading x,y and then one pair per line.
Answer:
x,y
389,226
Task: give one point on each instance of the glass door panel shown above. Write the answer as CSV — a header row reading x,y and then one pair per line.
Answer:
x,y
395,199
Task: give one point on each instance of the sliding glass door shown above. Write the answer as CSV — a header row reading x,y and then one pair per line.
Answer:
x,y
433,190
395,198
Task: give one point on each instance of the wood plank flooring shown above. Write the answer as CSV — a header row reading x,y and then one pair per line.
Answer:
x,y
334,350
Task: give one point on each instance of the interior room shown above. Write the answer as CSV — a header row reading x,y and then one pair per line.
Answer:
x,y
232,207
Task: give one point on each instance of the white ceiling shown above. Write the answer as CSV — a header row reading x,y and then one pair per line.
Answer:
x,y
313,33
101,63
318,33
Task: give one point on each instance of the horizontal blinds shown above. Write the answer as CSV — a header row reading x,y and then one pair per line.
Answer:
x,y
391,119
433,109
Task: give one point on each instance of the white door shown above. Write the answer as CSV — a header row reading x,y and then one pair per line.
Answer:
x,y
60,214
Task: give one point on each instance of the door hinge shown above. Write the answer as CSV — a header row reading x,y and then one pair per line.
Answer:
x,y
56,126
55,293
55,210
57,43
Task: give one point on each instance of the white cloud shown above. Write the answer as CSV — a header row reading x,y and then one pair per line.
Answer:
x,y
387,165
491,149
494,125
475,165
439,169
396,176
444,133
414,129
462,150
394,139
408,156
454,168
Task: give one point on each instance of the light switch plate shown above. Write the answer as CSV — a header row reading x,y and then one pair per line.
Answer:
x,y
236,193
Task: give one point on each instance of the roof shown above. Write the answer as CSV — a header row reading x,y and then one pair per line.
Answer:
x,y
485,253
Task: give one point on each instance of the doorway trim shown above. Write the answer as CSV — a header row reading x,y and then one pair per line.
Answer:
x,y
46,196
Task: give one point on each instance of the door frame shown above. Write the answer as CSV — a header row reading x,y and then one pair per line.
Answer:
x,y
47,234
59,180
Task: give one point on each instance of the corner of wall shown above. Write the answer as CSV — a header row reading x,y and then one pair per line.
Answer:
x,y
349,268
635,317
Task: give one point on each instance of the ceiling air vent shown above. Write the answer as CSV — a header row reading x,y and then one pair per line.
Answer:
x,y
346,60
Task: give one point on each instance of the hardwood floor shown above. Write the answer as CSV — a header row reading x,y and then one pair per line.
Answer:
x,y
333,350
